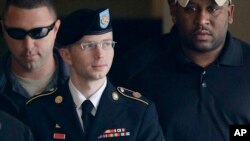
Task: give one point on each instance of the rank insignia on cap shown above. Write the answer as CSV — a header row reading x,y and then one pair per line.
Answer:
x,y
59,136
83,22
104,18
59,99
115,96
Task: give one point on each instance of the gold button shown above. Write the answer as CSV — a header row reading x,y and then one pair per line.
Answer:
x,y
59,99
136,94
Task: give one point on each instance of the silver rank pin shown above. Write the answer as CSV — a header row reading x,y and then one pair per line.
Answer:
x,y
115,96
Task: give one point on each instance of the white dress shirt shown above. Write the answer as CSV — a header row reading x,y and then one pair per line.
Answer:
x,y
79,98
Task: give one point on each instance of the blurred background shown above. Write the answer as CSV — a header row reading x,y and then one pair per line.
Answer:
x,y
138,20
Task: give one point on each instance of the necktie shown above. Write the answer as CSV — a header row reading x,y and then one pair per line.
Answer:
x,y
87,117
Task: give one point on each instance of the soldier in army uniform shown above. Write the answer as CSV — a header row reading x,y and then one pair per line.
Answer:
x,y
86,40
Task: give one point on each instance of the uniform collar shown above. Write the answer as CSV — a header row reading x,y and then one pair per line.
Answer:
x,y
79,98
232,53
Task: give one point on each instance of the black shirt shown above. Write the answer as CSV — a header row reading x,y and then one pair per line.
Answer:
x,y
195,103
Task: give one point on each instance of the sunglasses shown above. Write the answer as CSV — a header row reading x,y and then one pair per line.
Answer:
x,y
35,33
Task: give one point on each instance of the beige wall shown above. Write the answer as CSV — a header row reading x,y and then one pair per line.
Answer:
x,y
240,27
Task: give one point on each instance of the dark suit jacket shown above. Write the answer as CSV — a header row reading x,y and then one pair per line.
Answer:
x,y
13,130
53,115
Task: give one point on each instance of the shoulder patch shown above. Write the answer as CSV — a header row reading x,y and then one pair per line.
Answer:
x,y
51,91
132,94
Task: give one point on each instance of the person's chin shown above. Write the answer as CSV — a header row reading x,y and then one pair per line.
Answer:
x,y
203,47
100,75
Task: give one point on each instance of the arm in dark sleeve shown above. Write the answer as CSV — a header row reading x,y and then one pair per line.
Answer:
x,y
150,129
12,129
28,135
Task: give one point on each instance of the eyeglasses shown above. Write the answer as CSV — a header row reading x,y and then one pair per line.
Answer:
x,y
105,45
35,33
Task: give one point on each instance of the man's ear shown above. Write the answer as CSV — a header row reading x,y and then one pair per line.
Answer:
x,y
57,25
65,54
230,13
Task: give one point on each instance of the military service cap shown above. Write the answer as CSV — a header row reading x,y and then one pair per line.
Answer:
x,y
83,22
184,3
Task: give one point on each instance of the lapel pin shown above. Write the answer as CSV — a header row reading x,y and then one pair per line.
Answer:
x,y
58,126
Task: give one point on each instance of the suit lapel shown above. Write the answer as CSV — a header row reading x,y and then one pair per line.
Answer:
x,y
64,114
107,113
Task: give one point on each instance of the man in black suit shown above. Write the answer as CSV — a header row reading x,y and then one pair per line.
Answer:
x,y
13,130
120,114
